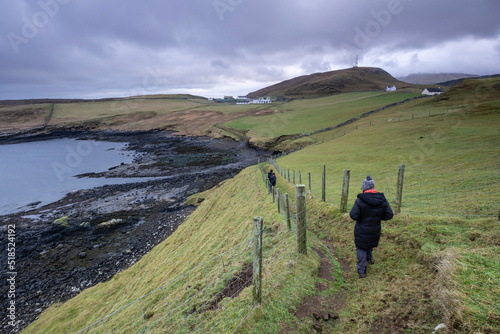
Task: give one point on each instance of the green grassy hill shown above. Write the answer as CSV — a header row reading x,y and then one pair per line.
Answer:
x,y
437,261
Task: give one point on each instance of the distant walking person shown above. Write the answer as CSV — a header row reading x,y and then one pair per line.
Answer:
x,y
272,180
368,210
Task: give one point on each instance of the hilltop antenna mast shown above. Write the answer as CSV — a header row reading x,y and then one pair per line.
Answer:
x,y
356,62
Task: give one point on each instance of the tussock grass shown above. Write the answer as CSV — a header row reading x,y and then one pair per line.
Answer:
x,y
428,270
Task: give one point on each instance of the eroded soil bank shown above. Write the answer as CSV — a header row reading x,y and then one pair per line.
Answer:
x,y
109,228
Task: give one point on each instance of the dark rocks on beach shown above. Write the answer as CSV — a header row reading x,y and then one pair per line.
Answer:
x,y
109,228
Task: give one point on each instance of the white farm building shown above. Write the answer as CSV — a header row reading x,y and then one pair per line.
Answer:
x,y
432,91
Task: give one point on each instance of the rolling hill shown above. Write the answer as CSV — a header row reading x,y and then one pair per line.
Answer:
x,y
434,78
452,83
327,83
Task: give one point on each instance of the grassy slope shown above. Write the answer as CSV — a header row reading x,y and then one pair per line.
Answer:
x,y
23,117
443,267
420,144
115,113
303,116
221,222
192,116
429,269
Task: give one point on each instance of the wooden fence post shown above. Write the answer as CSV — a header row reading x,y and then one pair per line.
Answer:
x,y
278,199
399,191
309,181
274,194
294,176
300,194
323,185
345,191
287,212
257,259
288,172
300,177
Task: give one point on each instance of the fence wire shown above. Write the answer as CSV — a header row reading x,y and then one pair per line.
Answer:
x,y
358,123
468,188
215,296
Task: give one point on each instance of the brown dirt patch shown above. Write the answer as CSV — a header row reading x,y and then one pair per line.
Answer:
x,y
264,112
233,288
322,310
325,269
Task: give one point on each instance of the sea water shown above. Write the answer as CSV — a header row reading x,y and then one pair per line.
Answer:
x,y
37,173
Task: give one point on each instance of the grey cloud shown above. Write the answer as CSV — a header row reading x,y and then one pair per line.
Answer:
x,y
220,64
72,48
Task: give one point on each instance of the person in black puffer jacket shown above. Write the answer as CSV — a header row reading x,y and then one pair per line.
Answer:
x,y
368,210
272,180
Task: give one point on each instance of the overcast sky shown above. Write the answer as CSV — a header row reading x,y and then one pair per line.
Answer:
x,y
112,48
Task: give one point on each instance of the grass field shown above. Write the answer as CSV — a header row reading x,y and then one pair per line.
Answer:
x,y
304,116
23,117
438,152
437,261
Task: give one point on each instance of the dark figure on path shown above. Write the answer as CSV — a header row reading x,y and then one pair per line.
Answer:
x,y
369,209
272,179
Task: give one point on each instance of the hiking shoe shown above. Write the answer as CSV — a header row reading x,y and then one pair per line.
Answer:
x,y
371,261
362,275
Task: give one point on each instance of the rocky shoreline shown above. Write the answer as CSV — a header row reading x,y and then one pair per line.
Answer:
x,y
102,231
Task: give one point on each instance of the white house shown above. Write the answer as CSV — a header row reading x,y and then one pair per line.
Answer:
x,y
432,91
390,89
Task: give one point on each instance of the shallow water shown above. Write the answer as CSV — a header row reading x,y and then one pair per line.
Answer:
x,y
42,172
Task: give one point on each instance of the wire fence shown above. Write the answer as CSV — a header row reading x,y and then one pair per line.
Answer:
x,y
468,188
215,296
358,123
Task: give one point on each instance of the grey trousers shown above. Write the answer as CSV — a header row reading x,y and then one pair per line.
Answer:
x,y
363,255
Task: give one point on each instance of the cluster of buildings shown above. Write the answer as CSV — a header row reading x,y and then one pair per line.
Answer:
x,y
264,100
427,91
243,100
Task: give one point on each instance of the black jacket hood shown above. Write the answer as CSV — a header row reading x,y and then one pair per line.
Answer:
x,y
372,199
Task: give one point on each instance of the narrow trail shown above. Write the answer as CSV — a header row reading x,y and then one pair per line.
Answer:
x,y
321,307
